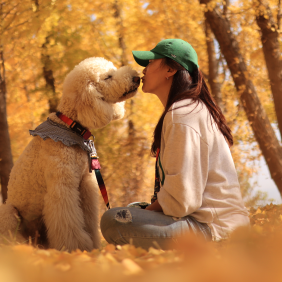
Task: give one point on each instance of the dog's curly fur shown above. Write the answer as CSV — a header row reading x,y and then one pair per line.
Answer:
x,y
50,185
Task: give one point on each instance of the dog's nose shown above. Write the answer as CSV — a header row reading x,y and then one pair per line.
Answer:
x,y
136,79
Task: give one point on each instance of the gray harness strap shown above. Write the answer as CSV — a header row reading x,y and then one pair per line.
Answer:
x,y
58,132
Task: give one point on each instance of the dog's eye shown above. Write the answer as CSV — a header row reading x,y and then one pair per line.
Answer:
x,y
108,77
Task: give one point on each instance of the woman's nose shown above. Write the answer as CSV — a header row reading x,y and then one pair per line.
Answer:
x,y
144,71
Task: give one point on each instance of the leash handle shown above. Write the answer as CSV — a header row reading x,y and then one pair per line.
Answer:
x,y
102,187
95,165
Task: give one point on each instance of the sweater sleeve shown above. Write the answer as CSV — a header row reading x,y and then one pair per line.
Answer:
x,y
185,162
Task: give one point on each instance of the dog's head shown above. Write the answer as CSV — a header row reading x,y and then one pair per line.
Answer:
x,y
94,92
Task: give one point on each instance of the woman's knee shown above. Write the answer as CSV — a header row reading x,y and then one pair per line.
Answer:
x,y
116,215
112,221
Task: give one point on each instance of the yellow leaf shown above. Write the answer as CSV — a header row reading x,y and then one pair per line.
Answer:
x,y
23,248
110,248
131,267
258,211
63,266
110,257
83,258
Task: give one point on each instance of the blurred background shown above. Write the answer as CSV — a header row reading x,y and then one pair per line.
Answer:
x,y
239,49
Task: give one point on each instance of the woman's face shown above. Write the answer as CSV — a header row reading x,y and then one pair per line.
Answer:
x,y
154,78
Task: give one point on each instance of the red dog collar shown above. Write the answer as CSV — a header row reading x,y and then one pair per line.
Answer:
x,y
75,126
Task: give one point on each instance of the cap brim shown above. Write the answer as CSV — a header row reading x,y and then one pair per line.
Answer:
x,y
142,57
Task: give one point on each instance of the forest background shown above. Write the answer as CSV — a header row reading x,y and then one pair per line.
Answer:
x,y
239,48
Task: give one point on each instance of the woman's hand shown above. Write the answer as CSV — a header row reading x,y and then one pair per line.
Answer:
x,y
155,207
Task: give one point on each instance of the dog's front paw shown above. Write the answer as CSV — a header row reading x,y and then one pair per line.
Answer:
x,y
10,223
79,240
9,218
85,243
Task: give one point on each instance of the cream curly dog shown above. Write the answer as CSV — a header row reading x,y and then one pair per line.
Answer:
x,y
50,187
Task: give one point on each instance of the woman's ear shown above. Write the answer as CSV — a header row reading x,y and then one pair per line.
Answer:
x,y
171,72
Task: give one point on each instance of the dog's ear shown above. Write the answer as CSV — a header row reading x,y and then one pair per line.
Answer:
x,y
119,110
92,111
89,94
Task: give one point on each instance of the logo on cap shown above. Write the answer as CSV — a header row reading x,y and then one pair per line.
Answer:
x,y
174,56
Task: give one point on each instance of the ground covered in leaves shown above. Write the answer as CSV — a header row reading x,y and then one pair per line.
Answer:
x,y
249,255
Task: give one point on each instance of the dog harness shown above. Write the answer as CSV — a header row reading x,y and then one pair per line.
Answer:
x,y
75,135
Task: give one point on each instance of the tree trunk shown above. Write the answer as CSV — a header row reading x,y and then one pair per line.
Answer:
x,y
279,14
117,15
256,115
271,51
134,165
53,98
226,4
6,159
213,67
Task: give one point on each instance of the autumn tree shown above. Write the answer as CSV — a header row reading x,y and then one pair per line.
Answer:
x,y
8,15
48,75
59,41
59,34
256,114
269,30
19,21
6,161
125,152
213,74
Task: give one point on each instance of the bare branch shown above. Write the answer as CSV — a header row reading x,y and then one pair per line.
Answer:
x,y
15,26
7,26
7,13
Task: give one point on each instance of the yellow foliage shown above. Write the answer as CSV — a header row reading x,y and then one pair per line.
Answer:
x,y
82,28
77,29
248,255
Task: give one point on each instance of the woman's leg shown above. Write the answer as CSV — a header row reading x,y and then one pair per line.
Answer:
x,y
143,227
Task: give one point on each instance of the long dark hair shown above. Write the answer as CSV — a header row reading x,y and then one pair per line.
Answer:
x,y
187,85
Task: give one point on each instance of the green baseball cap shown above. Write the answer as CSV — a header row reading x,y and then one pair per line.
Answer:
x,y
176,49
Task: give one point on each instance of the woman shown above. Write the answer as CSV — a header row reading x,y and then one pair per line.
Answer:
x,y
197,188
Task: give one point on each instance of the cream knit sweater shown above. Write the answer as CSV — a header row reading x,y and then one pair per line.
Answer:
x,y
198,172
